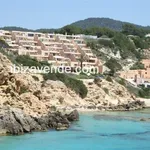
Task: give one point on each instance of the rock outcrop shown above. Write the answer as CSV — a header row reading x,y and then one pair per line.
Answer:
x,y
13,121
38,97
28,105
73,116
111,96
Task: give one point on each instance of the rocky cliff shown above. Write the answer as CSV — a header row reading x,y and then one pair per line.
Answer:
x,y
23,109
28,103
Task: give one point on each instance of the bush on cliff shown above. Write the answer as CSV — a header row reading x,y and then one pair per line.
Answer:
x,y
23,89
74,84
122,81
137,65
144,92
109,79
106,43
112,64
26,60
9,55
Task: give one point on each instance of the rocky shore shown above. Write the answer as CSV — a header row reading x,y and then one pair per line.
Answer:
x,y
28,103
130,106
14,122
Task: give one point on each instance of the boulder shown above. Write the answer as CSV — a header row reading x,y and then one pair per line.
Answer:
x,y
61,127
13,121
21,119
9,123
73,116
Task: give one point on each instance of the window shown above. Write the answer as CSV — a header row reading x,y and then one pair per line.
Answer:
x,y
31,35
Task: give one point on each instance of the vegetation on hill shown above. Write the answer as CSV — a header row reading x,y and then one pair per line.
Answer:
x,y
72,83
130,42
137,65
26,60
70,30
3,44
142,43
137,91
89,24
11,56
113,65
130,29
14,28
46,30
103,22
144,92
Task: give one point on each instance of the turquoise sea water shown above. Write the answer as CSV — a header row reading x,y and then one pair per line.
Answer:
x,y
95,131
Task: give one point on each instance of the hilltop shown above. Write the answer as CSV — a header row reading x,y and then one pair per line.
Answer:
x,y
103,22
83,24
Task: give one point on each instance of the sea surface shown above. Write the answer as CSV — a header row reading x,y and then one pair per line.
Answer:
x,y
94,131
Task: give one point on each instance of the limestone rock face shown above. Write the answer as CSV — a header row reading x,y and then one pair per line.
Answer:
x,y
110,96
73,116
38,97
14,121
28,105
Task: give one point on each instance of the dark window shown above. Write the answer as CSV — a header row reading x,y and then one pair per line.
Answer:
x,y
31,35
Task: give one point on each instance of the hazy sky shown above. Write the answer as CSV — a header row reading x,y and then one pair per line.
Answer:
x,y
35,14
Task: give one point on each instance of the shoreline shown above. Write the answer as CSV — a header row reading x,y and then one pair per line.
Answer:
x,y
132,106
82,111
69,117
147,101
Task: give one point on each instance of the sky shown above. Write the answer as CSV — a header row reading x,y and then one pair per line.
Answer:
x,y
35,14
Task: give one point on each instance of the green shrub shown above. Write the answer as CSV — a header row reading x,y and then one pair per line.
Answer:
x,y
23,89
26,60
139,92
144,92
106,42
122,82
106,90
140,43
124,44
35,78
113,65
74,84
109,79
137,65
9,55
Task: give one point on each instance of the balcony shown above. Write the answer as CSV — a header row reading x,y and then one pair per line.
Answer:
x,y
27,41
51,43
89,54
13,45
86,49
69,44
81,45
53,51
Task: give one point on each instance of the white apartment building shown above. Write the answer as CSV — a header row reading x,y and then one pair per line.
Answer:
x,y
57,49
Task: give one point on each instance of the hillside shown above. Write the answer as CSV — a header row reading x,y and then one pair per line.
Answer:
x,y
14,28
84,24
37,95
102,22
